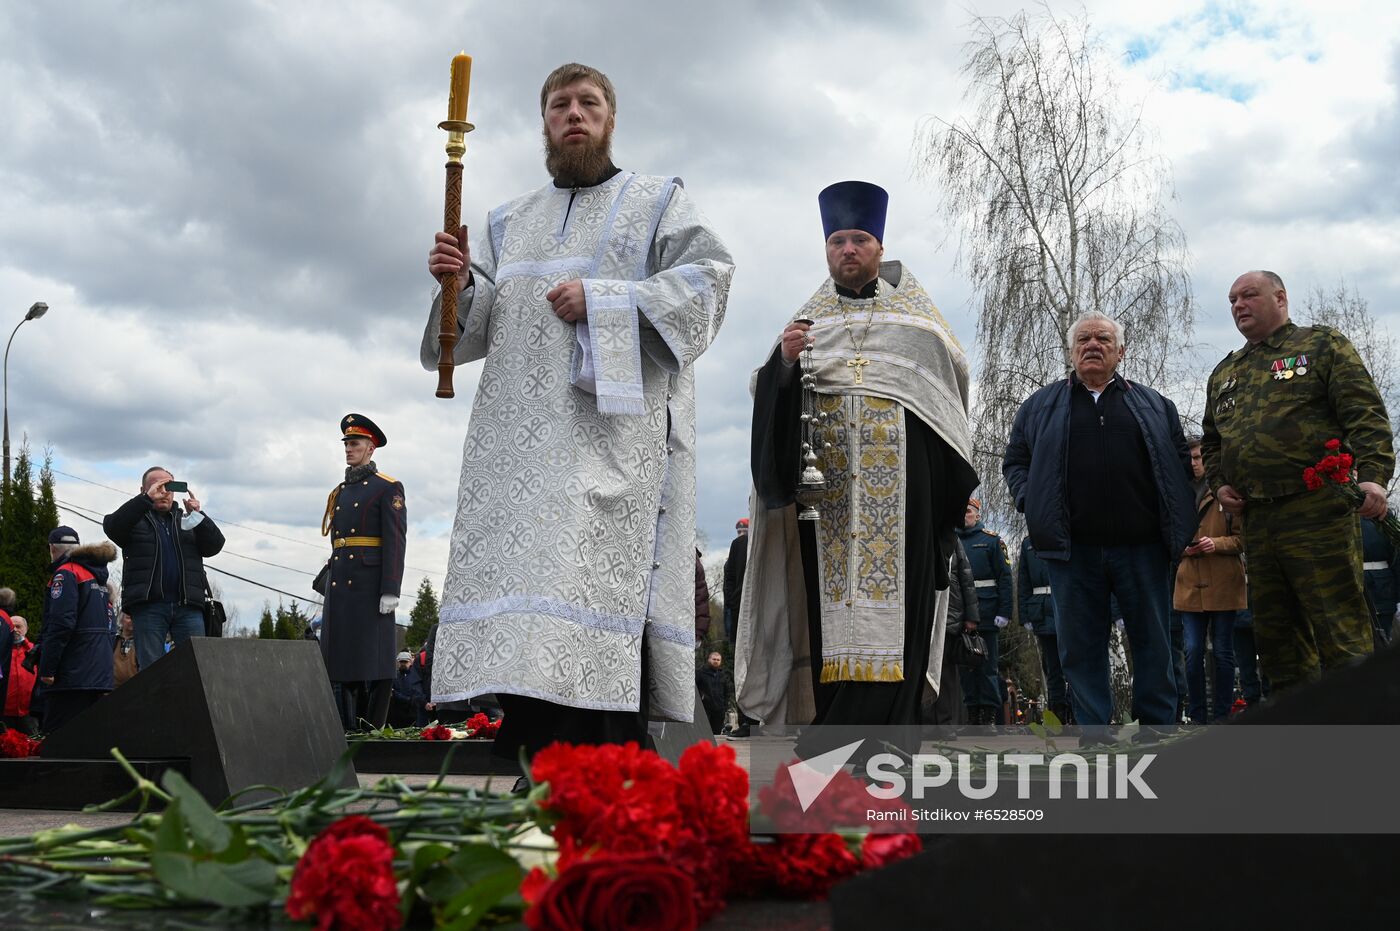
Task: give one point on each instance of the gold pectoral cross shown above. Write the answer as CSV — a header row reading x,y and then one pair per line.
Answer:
x,y
858,363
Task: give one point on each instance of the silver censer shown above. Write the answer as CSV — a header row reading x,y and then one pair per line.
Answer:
x,y
811,483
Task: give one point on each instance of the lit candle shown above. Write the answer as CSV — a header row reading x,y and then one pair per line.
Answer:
x,y
461,82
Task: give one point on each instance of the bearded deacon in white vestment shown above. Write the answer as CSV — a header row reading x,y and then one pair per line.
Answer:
x,y
839,616
570,583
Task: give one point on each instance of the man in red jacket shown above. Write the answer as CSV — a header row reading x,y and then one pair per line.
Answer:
x,y
19,682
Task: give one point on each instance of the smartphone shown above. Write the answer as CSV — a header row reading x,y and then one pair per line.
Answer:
x,y
175,487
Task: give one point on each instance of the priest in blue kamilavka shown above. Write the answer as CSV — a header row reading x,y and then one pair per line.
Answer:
x,y
841,614
570,578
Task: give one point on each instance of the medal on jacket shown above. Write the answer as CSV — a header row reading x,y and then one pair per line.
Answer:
x,y
1283,368
1302,367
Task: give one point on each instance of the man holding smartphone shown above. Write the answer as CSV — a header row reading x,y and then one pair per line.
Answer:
x,y
163,551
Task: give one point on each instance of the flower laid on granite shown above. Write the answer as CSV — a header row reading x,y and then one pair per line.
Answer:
x,y
480,727
1335,472
437,732
610,837
477,727
17,745
345,880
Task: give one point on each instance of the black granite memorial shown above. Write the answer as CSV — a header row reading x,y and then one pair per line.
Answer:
x,y
243,712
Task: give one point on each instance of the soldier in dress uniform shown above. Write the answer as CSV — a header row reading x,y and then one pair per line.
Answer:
x,y
991,570
1037,613
366,519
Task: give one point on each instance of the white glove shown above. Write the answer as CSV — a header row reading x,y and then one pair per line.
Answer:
x,y
1029,626
1118,622
1002,621
387,603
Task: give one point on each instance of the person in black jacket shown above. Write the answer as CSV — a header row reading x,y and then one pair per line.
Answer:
x,y
734,578
1099,466
163,553
406,706
75,647
963,615
715,689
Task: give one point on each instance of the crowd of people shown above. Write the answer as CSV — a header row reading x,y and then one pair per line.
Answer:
x,y
863,587
94,637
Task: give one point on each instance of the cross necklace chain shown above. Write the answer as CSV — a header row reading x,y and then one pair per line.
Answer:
x,y
858,364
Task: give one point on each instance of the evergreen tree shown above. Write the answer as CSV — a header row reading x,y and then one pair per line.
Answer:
x,y
266,628
422,618
24,551
291,623
46,511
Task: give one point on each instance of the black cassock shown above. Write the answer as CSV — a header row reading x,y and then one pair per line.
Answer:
x,y
938,484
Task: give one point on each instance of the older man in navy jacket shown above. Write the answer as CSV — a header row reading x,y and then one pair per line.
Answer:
x,y
1099,466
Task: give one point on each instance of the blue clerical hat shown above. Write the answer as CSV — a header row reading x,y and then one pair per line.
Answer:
x,y
854,205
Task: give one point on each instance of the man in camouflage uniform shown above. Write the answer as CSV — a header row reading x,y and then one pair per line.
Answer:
x,y
1271,407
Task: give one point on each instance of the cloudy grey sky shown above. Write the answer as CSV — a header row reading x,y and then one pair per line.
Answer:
x,y
228,207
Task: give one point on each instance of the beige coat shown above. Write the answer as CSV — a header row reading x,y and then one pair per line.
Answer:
x,y
1213,581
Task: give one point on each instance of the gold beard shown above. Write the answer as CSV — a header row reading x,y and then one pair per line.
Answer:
x,y
578,167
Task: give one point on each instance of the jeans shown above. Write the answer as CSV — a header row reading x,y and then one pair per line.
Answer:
x,y
1179,662
1222,645
1140,576
154,620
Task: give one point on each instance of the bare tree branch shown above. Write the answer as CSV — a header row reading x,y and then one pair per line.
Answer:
x,y
1061,199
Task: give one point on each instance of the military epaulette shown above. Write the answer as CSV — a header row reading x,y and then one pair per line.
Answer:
x,y
387,478
990,533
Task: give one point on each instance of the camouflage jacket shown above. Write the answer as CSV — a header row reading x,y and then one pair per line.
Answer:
x,y
1271,406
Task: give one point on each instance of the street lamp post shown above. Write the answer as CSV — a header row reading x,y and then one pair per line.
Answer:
x,y
36,310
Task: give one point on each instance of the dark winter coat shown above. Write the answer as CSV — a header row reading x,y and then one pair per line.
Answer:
x,y
962,591
991,568
76,641
133,527
702,600
714,687
734,568
408,687
1036,465
1038,610
357,642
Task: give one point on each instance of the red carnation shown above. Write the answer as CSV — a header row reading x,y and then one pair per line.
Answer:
x,y
1312,479
883,849
803,866
437,732
1333,445
345,879
620,798
479,725
613,893
16,745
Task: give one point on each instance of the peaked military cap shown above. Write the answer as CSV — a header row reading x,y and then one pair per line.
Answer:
x,y
353,425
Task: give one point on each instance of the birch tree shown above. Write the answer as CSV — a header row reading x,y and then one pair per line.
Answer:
x,y
1060,201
